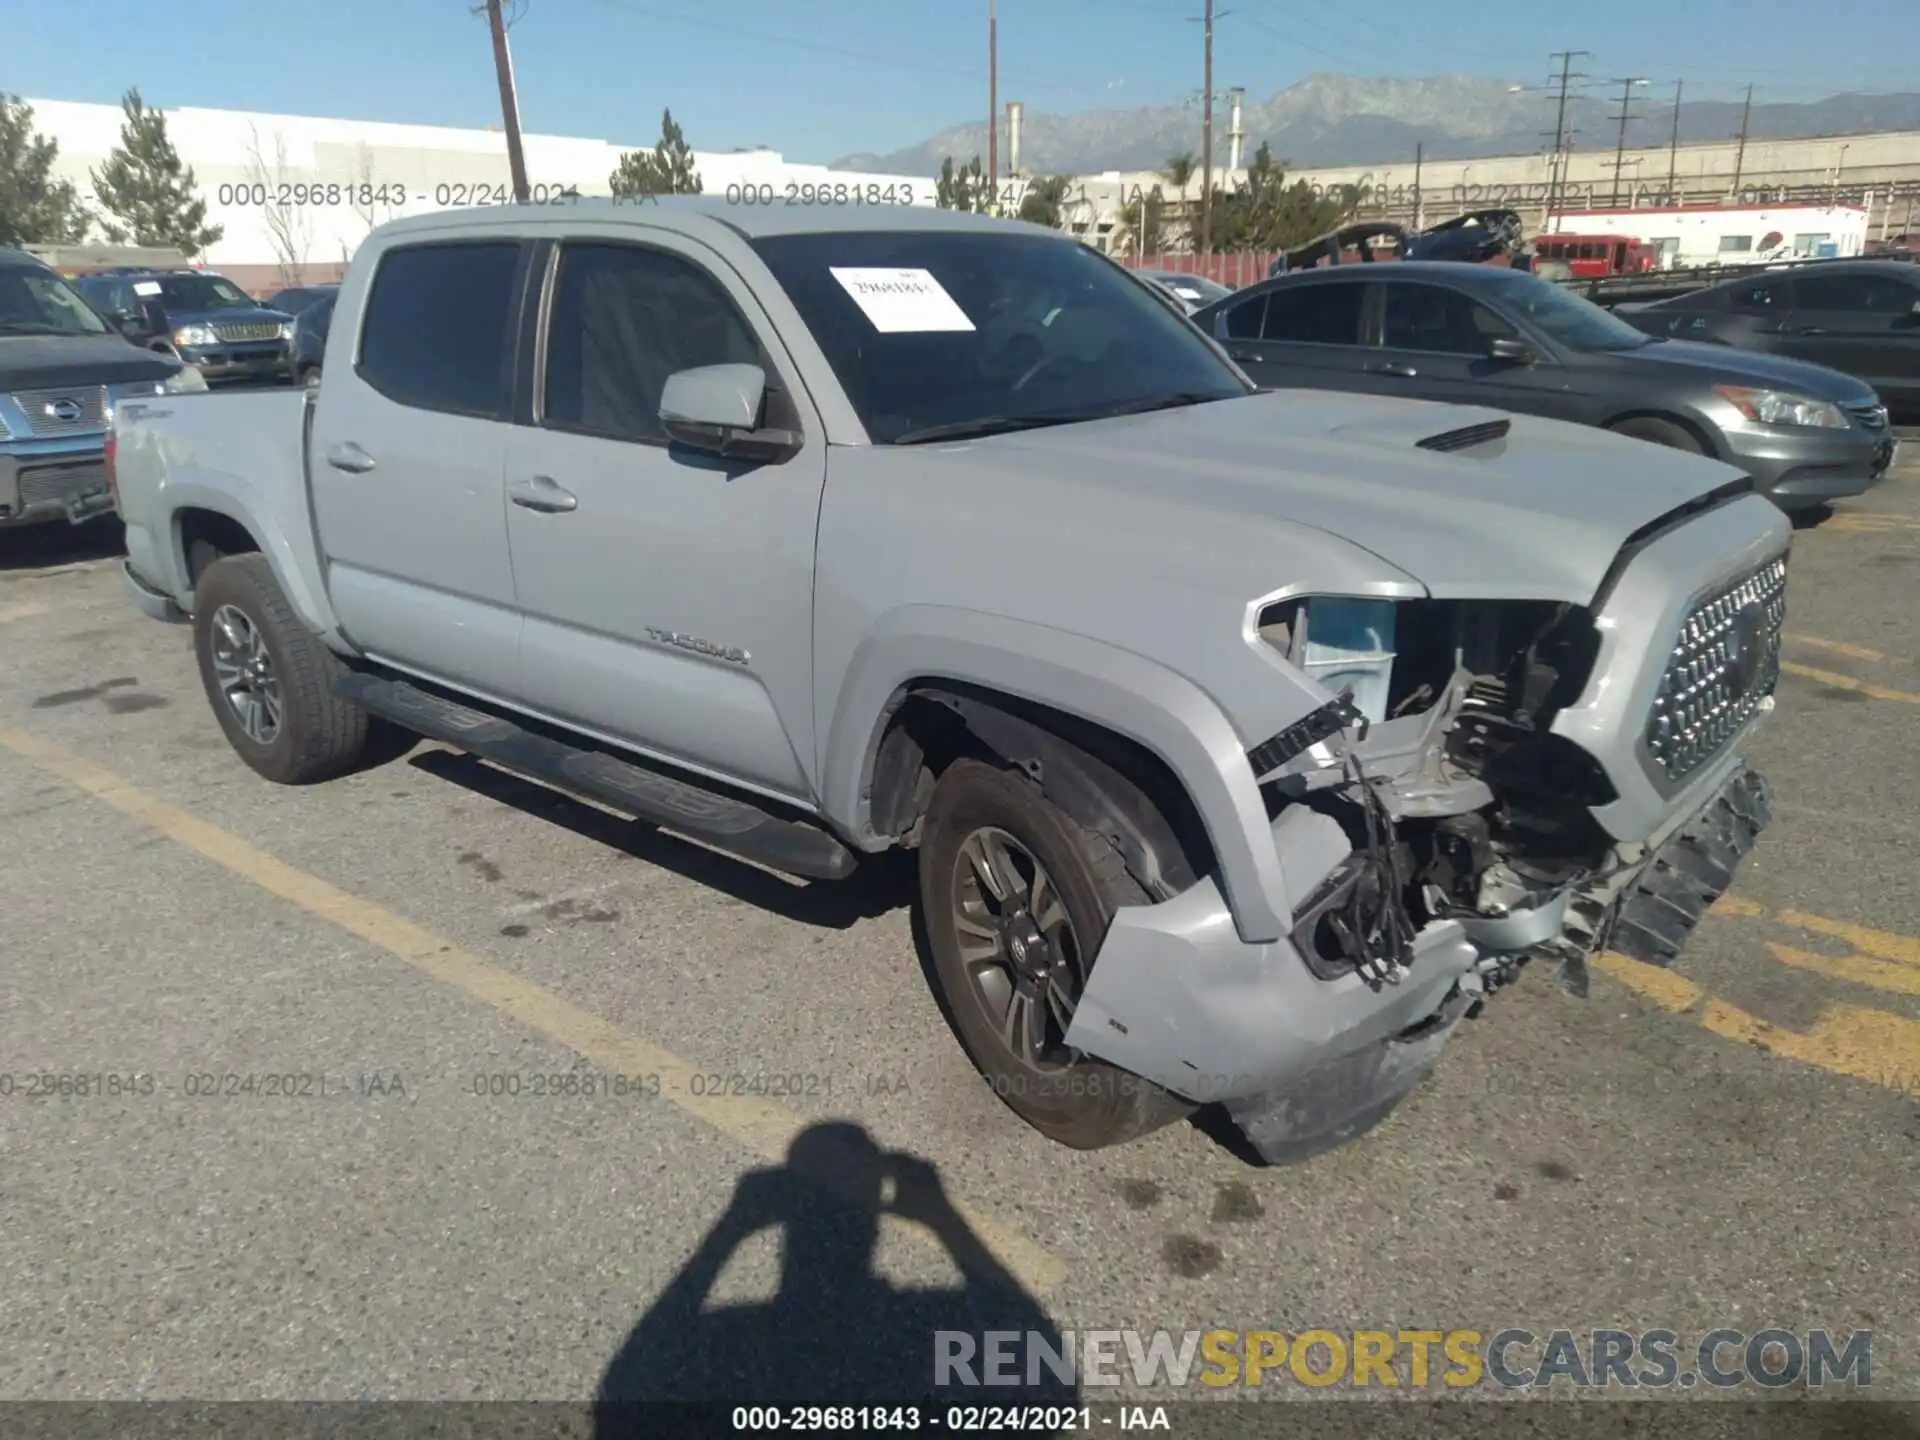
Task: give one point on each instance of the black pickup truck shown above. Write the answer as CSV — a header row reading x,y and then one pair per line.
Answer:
x,y
62,369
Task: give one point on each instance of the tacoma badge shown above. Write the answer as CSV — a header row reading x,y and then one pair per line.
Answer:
x,y
731,653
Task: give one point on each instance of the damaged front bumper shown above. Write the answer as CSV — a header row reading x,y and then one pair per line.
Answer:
x,y
1303,1063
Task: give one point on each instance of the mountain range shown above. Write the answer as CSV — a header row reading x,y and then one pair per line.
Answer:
x,y
1330,119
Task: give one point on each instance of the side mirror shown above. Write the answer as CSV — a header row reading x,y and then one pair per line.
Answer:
x,y
1511,351
716,408
129,324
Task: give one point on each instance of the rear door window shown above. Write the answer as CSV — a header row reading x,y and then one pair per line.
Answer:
x,y
1323,314
1854,294
1245,321
436,331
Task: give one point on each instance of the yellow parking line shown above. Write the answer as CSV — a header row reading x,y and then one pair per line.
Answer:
x,y
762,1126
1838,647
1849,1040
1868,970
1848,682
1882,959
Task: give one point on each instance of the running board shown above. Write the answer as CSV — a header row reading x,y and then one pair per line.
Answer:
x,y
735,826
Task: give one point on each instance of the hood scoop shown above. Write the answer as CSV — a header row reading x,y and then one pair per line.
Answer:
x,y
1467,436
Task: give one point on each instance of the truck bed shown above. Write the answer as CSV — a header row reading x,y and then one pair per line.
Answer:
x,y
242,456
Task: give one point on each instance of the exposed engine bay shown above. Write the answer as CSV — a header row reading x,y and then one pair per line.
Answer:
x,y
1438,764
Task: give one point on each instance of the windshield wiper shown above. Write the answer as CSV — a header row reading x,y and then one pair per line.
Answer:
x,y
980,425
1034,420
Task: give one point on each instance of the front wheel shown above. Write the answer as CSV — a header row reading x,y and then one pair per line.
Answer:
x,y
269,679
1017,899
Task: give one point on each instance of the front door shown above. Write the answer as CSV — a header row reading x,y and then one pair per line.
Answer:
x,y
667,594
405,463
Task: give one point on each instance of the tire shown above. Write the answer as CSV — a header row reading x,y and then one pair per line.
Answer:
x,y
1080,1102
315,734
1660,432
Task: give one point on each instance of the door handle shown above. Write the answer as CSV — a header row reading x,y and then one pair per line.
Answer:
x,y
1388,367
349,457
1244,357
539,492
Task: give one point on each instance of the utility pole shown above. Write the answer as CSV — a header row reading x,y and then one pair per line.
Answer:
x,y
1419,211
509,106
1673,149
1560,137
993,110
1740,154
1206,144
1620,145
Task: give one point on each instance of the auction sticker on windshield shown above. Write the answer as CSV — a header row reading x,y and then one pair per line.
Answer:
x,y
146,287
901,301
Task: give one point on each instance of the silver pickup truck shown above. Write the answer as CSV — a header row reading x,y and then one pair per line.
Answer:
x,y
1248,740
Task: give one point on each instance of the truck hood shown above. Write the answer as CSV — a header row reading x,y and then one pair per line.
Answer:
x,y
1690,360
1537,514
47,362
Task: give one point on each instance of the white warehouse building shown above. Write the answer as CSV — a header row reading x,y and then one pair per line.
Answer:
x,y
295,193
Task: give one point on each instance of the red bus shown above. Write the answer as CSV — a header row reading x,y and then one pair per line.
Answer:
x,y
1589,255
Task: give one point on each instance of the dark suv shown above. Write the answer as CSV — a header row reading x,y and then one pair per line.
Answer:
x,y
208,320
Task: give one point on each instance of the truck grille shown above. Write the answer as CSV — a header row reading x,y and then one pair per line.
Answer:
x,y
1725,661
71,411
233,334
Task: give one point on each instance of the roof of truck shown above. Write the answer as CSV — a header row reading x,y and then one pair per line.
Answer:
x,y
693,213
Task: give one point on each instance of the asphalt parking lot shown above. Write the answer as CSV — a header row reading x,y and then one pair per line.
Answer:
x,y
421,1212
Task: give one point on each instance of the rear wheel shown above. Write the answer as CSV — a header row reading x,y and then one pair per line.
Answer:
x,y
1660,432
269,679
1017,899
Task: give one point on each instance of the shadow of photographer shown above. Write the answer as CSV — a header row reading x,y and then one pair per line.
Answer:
x,y
835,1332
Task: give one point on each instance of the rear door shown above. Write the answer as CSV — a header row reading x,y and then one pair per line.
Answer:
x,y
1304,334
1864,324
405,459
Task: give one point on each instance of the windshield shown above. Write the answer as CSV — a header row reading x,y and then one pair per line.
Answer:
x,y
938,334
203,292
38,302
1576,323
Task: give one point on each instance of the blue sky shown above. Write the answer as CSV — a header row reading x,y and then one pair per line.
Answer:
x,y
826,77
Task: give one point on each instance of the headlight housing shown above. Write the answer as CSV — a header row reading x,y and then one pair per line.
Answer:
x,y
187,380
195,335
1783,407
